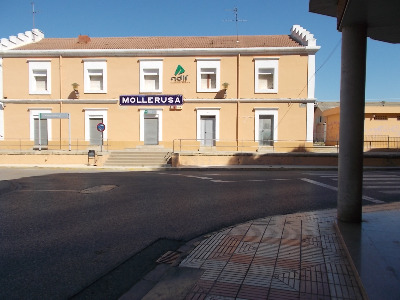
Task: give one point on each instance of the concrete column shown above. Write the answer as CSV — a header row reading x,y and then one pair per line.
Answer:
x,y
351,139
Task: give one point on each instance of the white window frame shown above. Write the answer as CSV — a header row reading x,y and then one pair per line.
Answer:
x,y
150,64
34,114
203,112
209,63
265,112
271,63
94,64
95,113
159,112
39,65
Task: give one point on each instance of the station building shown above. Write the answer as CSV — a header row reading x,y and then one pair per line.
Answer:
x,y
230,93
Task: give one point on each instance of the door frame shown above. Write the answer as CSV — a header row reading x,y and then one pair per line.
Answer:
x,y
157,111
203,141
207,112
151,117
266,112
91,128
34,114
95,113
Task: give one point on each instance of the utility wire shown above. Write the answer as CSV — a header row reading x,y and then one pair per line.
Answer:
x,y
320,67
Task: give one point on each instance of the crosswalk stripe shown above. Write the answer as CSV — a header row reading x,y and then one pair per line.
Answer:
x,y
395,192
381,187
366,198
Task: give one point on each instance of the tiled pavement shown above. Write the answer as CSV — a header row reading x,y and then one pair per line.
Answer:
x,y
297,256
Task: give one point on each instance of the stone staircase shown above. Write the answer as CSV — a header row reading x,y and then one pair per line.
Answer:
x,y
139,157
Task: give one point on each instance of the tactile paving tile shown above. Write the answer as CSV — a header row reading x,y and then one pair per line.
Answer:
x,y
284,257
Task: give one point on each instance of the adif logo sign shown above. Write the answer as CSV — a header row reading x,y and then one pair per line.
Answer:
x,y
178,76
179,70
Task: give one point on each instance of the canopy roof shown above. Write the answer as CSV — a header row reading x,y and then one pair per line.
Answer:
x,y
381,17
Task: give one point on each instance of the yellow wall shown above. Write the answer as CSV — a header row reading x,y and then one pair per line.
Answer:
x,y
237,117
123,77
374,129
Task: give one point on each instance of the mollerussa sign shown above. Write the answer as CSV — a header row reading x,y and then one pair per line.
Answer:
x,y
151,100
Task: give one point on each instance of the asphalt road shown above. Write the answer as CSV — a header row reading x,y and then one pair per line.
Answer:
x,y
61,230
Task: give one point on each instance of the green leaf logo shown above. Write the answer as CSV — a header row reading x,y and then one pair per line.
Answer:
x,y
179,70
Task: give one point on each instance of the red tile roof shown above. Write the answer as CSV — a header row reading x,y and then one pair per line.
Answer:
x,y
163,42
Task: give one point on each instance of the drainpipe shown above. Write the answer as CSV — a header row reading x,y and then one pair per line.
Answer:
x,y
60,76
1,78
238,101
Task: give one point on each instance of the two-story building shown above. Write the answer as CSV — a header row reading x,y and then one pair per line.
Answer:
x,y
227,92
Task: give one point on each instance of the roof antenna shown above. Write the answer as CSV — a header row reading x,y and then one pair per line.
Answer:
x,y
235,11
33,14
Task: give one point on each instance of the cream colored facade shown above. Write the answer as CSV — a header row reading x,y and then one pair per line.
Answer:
x,y
269,101
381,125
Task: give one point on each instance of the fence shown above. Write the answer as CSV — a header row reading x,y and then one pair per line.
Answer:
x,y
262,146
371,143
381,142
63,145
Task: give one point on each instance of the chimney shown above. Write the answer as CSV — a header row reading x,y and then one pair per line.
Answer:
x,y
83,39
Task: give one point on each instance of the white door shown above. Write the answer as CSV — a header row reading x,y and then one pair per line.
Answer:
x,y
95,135
43,132
266,130
207,124
151,129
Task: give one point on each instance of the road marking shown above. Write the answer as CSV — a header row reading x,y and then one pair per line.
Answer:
x,y
377,175
366,198
74,191
222,181
381,182
392,192
381,187
197,177
320,174
256,180
382,178
320,184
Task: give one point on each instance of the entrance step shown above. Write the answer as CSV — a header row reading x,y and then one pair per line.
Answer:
x,y
265,149
137,158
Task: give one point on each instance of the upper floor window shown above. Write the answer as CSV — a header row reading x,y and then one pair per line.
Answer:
x,y
208,75
39,77
266,75
151,75
95,76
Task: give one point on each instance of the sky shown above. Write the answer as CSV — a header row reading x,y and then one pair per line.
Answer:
x,y
111,18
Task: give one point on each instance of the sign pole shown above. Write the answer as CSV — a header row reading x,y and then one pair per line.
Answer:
x,y
40,135
101,146
101,127
69,131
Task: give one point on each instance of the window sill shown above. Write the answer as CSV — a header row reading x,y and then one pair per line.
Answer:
x,y
39,93
150,92
95,92
208,91
266,92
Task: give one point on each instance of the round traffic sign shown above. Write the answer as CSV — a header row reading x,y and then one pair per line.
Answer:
x,y
101,127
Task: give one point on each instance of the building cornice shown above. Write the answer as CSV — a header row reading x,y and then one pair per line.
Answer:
x,y
160,52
